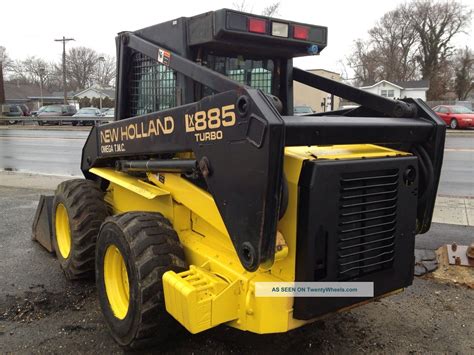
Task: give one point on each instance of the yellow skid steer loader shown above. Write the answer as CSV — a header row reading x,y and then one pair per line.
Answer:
x,y
206,185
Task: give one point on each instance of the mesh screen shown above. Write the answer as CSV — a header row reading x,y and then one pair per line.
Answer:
x,y
152,86
255,73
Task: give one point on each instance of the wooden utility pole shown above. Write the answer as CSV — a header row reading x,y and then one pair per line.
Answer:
x,y
2,87
64,40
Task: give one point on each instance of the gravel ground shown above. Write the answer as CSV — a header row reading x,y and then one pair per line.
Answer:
x,y
41,312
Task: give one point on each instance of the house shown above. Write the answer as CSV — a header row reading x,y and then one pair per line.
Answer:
x,y
399,90
318,100
30,95
96,91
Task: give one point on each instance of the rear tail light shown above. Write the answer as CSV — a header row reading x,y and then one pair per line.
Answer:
x,y
257,25
300,32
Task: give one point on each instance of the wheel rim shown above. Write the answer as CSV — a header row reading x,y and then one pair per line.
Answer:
x,y
116,281
453,124
63,232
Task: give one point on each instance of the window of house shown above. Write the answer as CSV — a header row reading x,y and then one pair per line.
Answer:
x,y
390,93
384,93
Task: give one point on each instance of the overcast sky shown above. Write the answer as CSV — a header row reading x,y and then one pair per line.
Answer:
x,y
29,27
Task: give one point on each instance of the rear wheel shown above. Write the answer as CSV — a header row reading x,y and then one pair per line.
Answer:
x,y
78,211
134,250
454,124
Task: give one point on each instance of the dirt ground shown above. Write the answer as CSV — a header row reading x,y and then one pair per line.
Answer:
x,y
41,312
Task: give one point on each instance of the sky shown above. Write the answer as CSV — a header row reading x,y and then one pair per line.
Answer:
x,y
95,23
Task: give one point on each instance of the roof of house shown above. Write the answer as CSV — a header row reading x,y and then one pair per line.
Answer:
x,y
320,69
413,84
380,82
110,92
61,94
15,91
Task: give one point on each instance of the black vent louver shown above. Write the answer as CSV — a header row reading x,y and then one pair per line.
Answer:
x,y
367,222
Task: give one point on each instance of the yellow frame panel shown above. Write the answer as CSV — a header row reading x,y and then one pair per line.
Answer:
x,y
205,239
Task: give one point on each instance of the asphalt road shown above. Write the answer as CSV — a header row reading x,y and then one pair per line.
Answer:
x,y
54,152
59,152
41,312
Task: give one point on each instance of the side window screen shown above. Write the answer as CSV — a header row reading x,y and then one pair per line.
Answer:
x,y
257,73
261,79
152,86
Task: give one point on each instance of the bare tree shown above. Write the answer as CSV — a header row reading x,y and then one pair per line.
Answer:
x,y
411,41
81,63
464,73
242,5
436,24
17,72
393,39
271,10
105,71
4,58
3,61
35,69
365,63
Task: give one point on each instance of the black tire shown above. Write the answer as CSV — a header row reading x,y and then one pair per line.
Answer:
x,y
40,123
454,124
74,123
86,210
149,247
11,122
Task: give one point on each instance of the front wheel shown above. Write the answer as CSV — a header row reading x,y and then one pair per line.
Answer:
x,y
78,212
11,122
454,124
133,252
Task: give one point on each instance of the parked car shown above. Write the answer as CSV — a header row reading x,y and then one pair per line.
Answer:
x,y
35,113
56,111
302,110
12,111
110,113
25,109
455,116
87,112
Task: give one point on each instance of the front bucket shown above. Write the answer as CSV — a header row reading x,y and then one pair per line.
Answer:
x,y
42,224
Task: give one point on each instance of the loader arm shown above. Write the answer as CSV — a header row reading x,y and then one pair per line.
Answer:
x,y
414,122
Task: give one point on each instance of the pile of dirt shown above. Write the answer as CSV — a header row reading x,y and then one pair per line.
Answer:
x,y
40,303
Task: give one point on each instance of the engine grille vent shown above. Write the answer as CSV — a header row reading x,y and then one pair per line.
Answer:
x,y
367,222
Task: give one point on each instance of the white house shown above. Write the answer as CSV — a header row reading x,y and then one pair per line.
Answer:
x,y
96,91
400,90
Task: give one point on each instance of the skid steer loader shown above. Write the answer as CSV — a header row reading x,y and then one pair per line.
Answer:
x,y
206,184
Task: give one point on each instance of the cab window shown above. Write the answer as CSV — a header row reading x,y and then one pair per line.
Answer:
x,y
152,86
254,72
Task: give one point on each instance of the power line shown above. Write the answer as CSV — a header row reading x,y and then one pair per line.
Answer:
x,y
64,40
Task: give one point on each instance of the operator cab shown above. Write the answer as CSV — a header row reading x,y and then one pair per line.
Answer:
x,y
253,50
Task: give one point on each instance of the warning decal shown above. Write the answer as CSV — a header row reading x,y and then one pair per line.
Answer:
x,y
164,57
